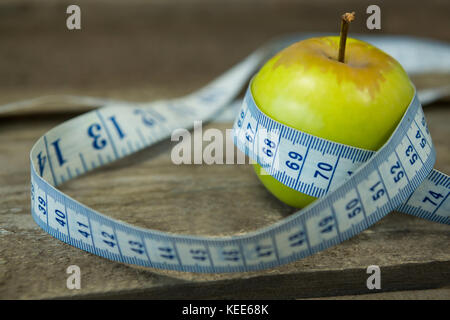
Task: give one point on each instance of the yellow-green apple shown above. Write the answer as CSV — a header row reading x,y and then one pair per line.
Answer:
x,y
358,102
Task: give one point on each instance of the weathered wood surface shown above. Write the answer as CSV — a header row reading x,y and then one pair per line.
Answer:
x,y
431,294
149,191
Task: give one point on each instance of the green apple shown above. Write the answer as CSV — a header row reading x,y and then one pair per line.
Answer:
x,y
358,102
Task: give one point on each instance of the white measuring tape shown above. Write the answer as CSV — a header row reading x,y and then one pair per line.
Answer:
x,y
358,187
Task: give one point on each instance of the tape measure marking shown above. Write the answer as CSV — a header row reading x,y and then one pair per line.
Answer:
x,y
333,158
348,205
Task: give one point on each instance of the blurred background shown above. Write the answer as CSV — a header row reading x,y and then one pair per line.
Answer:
x,y
138,49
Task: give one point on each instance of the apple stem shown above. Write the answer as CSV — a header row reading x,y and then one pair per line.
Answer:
x,y
345,22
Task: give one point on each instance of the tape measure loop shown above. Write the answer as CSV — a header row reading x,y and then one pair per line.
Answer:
x,y
399,176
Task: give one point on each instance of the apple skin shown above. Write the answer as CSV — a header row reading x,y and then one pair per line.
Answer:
x,y
358,103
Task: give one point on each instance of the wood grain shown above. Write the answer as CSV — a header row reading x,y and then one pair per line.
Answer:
x,y
138,58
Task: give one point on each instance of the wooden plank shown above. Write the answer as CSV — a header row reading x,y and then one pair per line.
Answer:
x,y
433,294
203,200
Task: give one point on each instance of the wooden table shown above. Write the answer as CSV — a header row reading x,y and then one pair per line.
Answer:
x,y
146,51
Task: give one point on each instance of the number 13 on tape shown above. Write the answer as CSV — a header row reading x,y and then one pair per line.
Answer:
x,y
356,187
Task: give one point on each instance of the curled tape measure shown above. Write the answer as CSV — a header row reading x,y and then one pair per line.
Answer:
x,y
361,186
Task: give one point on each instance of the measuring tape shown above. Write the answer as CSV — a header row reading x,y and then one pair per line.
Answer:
x,y
357,187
